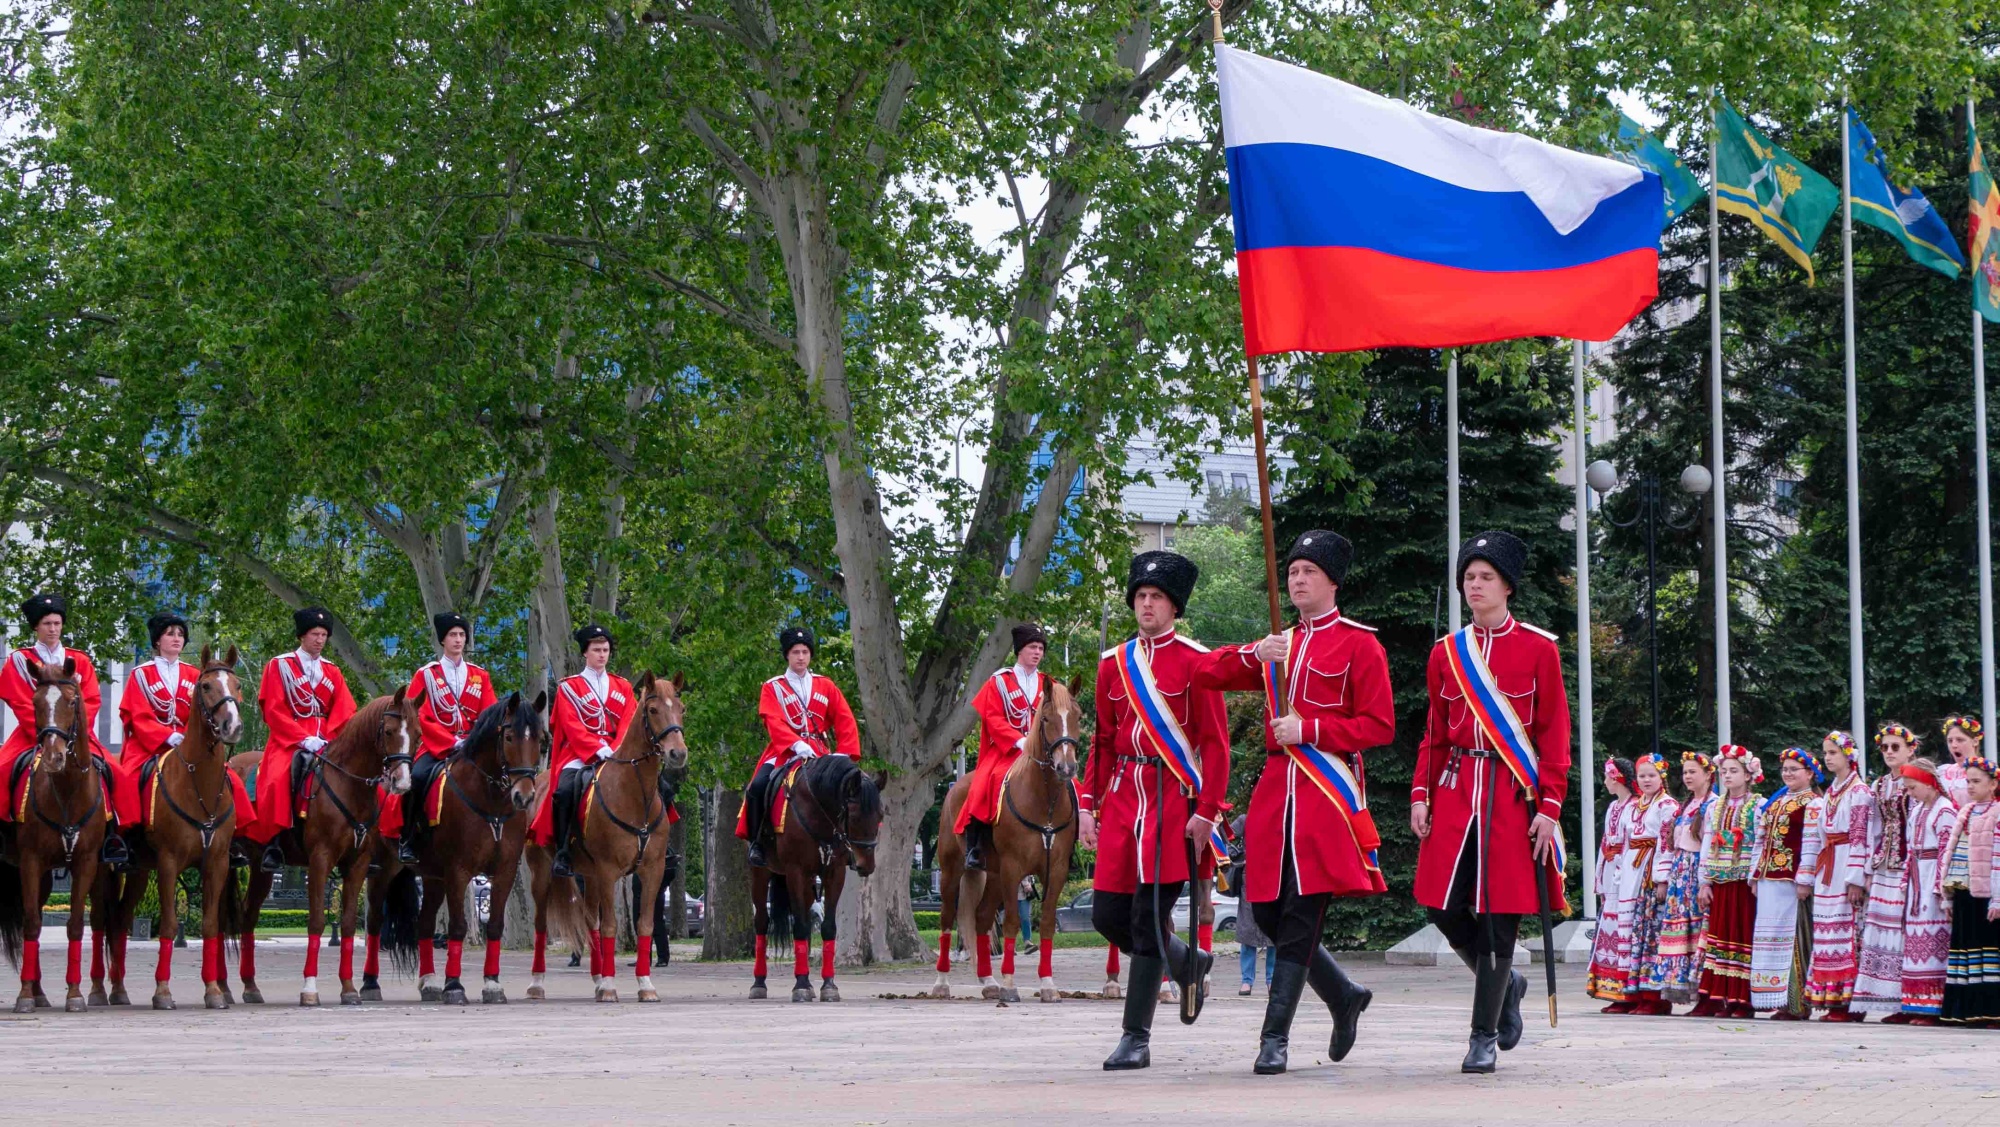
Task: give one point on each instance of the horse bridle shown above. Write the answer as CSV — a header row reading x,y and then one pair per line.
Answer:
x,y
1048,827
320,762
654,750
205,827
69,735
840,840
208,714
70,831
499,782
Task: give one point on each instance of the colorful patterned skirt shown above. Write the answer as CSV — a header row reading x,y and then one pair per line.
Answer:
x,y
1646,913
1675,966
1835,950
1725,952
1926,946
1607,976
1972,970
1780,949
1878,982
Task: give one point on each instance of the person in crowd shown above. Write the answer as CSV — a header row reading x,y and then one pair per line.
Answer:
x,y
1962,735
1674,968
1782,945
1606,981
1926,931
1878,982
1838,875
1250,939
1972,967
1729,852
1648,855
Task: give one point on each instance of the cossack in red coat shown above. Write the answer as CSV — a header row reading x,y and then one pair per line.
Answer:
x,y
17,692
1130,799
295,706
445,716
1006,708
580,724
1528,668
1339,689
822,720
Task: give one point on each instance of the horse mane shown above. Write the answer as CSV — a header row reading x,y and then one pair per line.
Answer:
x,y
365,723
485,726
827,776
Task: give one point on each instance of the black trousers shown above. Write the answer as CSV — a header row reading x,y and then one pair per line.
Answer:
x,y
1481,933
1295,920
1128,921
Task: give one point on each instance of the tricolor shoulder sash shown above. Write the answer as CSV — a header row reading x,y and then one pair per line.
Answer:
x,y
1155,716
1328,772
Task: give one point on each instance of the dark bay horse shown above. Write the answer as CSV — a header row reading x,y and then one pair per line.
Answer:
x,y
833,814
621,831
188,825
1033,837
335,833
483,795
62,815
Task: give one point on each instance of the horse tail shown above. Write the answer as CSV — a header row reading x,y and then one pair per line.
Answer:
x,y
13,913
233,910
565,913
400,906
971,889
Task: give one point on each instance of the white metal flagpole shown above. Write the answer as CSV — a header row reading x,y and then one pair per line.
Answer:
x,y
1985,511
1720,532
1585,731
1857,700
1451,534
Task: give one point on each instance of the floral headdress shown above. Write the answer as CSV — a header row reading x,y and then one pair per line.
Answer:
x,y
1805,759
1964,724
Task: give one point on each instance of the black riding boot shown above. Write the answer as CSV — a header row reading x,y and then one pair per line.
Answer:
x,y
1492,982
273,859
1287,983
759,817
115,852
406,843
977,835
1344,998
1141,998
239,853
1510,1007
1177,955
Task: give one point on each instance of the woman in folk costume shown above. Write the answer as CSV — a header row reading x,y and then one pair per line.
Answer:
x,y
1728,858
1878,982
1673,964
1962,735
1839,878
1643,883
1607,981
1972,969
1782,944
1926,933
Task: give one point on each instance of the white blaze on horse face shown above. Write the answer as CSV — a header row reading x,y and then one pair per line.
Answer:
x,y
233,718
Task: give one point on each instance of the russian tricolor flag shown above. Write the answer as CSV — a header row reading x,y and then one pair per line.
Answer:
x,y
1362,222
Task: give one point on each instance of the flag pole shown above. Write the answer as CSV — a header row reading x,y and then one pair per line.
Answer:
x,y
1451,534
1585,730
1985,511
1857,701
1720,531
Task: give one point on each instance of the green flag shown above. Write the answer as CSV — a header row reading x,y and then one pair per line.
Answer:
x,y
1770,187
1985,221
1903,212
1635,146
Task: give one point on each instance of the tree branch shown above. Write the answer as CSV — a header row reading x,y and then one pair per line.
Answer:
x,y
764,332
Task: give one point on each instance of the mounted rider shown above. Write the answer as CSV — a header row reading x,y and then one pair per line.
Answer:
x,y
155,709
588,721
452,693
45,614
1006,705
1159,769
805,715
1309,837
304,701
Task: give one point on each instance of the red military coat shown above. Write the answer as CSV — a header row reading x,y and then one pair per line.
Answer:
x,y
1528,667
1006,708
151,712
17,692
294,708
788,720
1338,687
1121,793
583,722
446,716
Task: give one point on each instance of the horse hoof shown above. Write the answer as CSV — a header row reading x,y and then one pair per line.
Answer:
x,y
757,993
73,1005
42,1002
941,990
803,994
164,1002
252,996
828,992
1111,991
227,995
118,998
24,1005
431,994
308,999
454,996
371,993
215,1002
990,993
350,997
496,996
1010,994
97,997
536,994
649,995
1048,994
607,995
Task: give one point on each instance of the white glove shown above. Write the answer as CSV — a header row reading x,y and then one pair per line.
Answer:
x,y
604,751
803,750
174,738
312,743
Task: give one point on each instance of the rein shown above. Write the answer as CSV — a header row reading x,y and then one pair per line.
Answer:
x,y
320,762
205,827
68,831
497,782
654,817
839,840
1048,827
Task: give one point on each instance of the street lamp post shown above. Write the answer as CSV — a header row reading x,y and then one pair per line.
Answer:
x,y
1651,512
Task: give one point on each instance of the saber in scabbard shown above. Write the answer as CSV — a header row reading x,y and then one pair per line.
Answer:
x,y
1191,987
1548,936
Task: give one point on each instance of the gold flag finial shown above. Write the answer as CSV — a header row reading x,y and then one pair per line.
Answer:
x,y
1215,18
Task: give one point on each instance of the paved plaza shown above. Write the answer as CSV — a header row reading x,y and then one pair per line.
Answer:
x,y
708,1056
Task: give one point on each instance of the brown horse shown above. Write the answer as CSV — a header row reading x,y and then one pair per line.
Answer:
x,y
483,795
621,831
1033,837
335,833
62,824
833,814
192,786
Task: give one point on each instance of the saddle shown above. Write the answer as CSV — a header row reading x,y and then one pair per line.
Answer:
x,y
780,787
425,795
572,790
149,772
25,763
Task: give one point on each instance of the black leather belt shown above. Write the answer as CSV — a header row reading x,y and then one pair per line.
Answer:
x,y
1476,752
1143,760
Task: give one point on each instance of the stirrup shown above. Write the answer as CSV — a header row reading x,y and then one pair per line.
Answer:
x,y
273,858
115,853
758,858
559,866
239,854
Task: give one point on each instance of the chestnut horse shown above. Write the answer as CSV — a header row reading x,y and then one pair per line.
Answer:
x,y
1033,836
336,832
833,814
483,794
62,812
620,830
187,824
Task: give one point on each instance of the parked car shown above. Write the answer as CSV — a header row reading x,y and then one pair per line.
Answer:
x,y
1075,915
1225,912
695,914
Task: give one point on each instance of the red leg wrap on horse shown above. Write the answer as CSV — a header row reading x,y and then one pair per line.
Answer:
x,y
826,959
211,958
758,968
1007,955
246,964
73,973
454,957
983,947
312,956
801,958
541,964
609,945
492,958
645,956
96,957
117,958
372,962
31,960
1204,936
1111,964
163,970
347,958
426,957
944,952
1047,967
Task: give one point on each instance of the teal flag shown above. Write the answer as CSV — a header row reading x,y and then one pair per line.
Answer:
x,y
1635,146
1903,212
